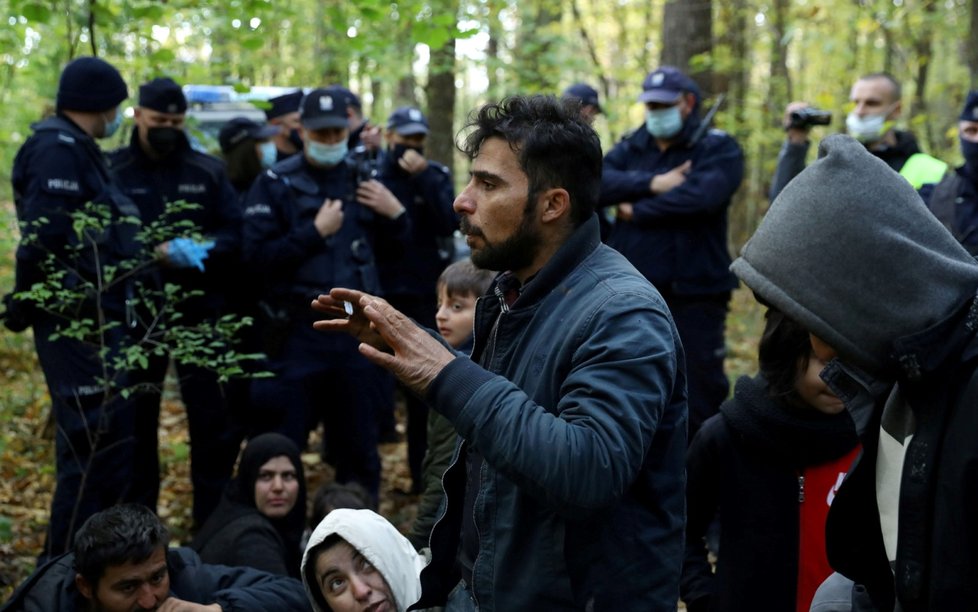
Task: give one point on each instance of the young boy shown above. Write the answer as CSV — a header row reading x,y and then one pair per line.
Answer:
x,y
459,286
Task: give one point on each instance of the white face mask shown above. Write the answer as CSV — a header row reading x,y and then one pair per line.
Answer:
x,y
867,129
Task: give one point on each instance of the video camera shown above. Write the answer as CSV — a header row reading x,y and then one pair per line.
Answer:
x,y
365,164
804,118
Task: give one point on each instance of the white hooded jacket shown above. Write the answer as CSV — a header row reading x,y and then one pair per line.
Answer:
x,y
380,543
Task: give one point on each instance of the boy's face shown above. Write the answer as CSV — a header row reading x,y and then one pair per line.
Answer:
x,y
455,315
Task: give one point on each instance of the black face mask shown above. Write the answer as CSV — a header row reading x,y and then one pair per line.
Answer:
x,y
164,140
296,140
398,151
970,152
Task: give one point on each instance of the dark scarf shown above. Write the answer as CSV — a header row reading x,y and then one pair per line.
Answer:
x,y
239,496
801,436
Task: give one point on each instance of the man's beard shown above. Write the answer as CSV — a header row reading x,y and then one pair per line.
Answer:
x,y
514,253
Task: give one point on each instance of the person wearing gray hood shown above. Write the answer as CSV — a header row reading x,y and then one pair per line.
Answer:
x,y
849,250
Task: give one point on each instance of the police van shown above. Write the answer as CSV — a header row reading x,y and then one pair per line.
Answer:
x,y
209,107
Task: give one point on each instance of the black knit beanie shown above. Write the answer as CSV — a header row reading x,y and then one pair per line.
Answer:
x,y
90,84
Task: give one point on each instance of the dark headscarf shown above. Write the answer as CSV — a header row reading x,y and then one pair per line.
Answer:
x,y
240,493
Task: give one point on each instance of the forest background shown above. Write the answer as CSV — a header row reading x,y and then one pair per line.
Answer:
x,y
448,57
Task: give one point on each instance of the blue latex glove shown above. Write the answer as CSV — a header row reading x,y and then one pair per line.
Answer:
x,y
188,253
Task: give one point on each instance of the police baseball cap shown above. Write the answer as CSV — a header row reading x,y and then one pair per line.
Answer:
x,y
351,98
284,104
239,129
665,85
90,84
583,92
407,121
162,95
970,110
323,108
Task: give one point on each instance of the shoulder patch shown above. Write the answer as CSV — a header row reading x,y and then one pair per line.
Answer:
x,y
66,138
258,209
62,185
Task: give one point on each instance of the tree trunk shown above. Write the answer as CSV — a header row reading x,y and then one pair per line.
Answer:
x,y
971,44
923,48
687,39
779,87
440,92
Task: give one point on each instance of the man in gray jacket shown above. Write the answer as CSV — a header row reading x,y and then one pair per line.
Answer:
x,y
567,492
849,250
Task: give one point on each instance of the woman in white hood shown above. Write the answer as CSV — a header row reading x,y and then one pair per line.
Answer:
x,y
357,561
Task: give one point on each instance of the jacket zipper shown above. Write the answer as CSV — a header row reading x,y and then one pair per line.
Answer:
x,y
801,488
503,309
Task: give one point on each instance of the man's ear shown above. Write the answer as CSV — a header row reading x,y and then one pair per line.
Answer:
x,y
554,205
83,587
897,108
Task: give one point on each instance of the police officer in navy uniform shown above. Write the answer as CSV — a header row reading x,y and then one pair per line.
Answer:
x,y
159,167
409,278
955,198
56,172
363,133
587,97
672,181
309,226
284,114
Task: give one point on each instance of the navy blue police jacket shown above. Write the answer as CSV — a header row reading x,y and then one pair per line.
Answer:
x,y
57,171
677,239
428,197
281,242
197,178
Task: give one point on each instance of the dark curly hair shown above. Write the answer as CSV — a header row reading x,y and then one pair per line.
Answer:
x,y
554,145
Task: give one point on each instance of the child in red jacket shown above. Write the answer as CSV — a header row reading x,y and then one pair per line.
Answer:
x,y
768,465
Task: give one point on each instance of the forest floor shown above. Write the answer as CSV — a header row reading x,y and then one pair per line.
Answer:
x,y
27,459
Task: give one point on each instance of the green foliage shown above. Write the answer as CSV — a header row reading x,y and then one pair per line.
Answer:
x,y
153,314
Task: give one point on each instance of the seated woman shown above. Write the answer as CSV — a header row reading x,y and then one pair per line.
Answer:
x,y
356,560
260,520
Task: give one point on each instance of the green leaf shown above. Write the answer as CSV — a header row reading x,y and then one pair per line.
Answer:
x,y
163,56
253,43
37,12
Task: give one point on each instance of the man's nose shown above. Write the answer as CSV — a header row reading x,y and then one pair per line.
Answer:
x,y
147,599
463,203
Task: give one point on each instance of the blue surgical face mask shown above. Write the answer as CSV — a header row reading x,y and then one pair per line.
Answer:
x,y
267,153
866,129
326,154
664,123
111,127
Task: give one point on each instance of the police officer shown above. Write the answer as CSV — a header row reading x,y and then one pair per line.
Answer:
x,y
159,167
672,183
284,114
247,149
409,278
309,227
876,107
56,172
362,132
955,199
587,97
